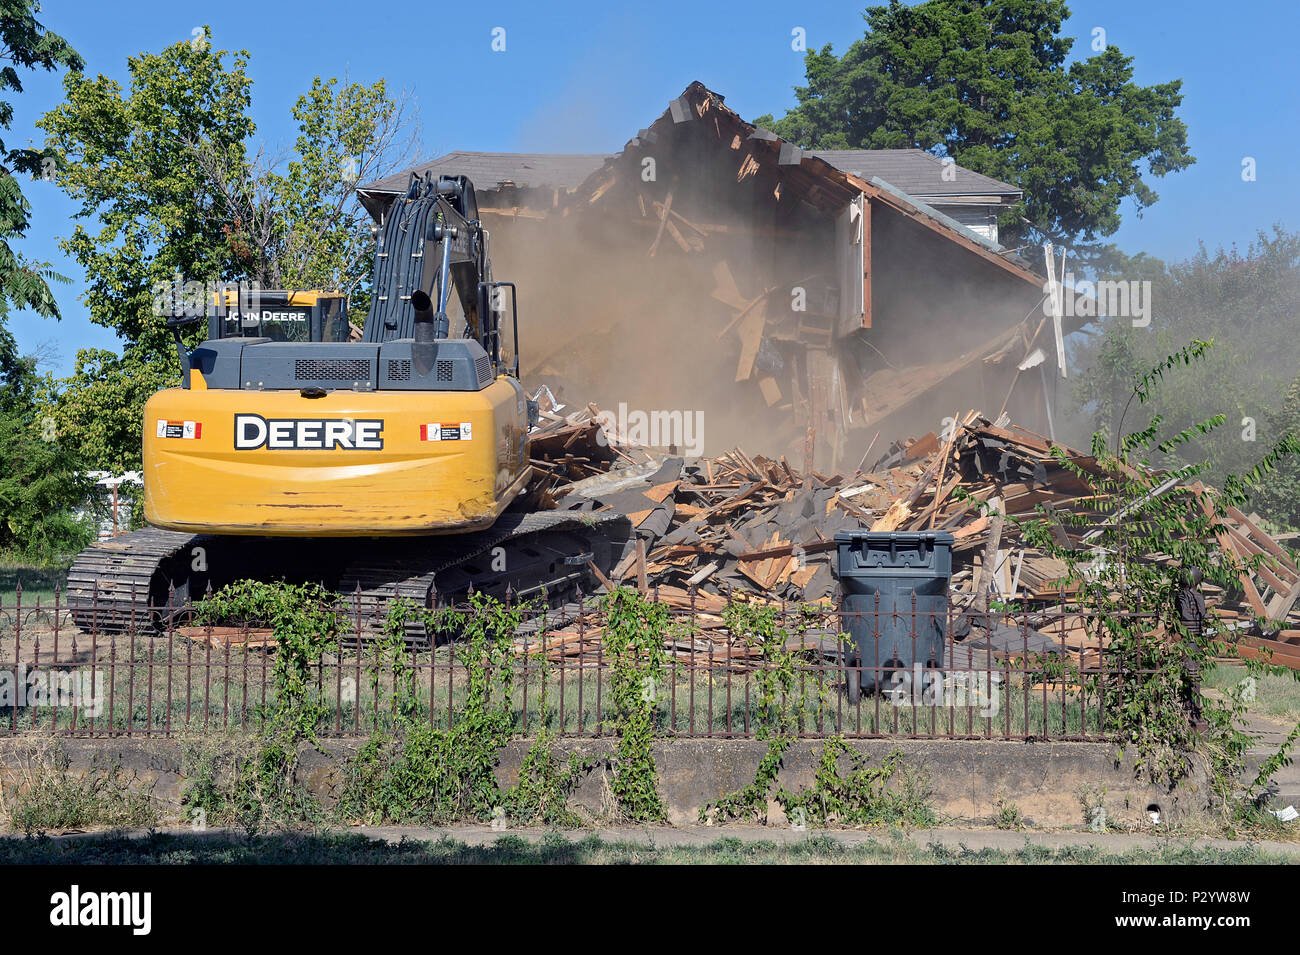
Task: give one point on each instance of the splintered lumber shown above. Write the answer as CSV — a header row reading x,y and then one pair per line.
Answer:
x,y
747,526
1225,542
991,548
702,575
770,389
751,336
889,521
604,581
1270,651
663,221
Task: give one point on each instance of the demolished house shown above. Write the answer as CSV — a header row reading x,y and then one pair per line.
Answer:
x,y
814,299
814,306
758,529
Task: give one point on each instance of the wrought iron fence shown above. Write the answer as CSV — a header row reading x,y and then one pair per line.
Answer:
x,y
1010,674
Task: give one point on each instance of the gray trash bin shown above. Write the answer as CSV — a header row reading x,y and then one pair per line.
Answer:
x,y
894,565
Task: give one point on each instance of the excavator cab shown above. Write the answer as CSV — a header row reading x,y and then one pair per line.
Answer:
x,y
280,315
283,426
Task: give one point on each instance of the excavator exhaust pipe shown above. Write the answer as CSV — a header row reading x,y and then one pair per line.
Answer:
x,y
427,331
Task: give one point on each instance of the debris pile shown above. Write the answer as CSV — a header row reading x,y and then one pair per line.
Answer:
x,y
760,529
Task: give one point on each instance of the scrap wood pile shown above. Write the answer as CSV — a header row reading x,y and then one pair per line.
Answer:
x,y
758,529
569,448
706,645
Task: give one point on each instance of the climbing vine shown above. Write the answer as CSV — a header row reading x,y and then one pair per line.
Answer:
x,y
262,786
428,775
635,628
306,620
1155,664
782,701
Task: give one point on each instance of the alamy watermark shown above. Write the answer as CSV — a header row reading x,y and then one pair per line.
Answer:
x,y
683,430
65,689
1116,298
925,686
194,299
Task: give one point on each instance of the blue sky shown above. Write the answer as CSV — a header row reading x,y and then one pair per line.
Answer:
x,y
583,77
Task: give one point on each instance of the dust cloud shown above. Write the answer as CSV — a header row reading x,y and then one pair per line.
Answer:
x,y
602,320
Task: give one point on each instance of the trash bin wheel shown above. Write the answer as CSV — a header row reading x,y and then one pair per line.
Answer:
x,y
853,679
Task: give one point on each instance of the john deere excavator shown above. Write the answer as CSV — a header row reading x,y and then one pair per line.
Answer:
x,y
385,466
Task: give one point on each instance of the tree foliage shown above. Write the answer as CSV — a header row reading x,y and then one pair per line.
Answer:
x,y
171,189
987,83
1245,302
299,224
146,216
24,44
42,482
1278,495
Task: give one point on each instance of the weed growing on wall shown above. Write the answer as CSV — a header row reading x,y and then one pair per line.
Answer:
x,y
419,774
782,701
635,628
44,794
864,796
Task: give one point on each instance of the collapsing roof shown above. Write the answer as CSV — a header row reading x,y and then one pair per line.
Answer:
x,y
912,171
488,172
840,296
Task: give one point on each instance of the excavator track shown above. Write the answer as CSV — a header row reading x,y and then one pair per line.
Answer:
x,y
143,580
534,555
121,583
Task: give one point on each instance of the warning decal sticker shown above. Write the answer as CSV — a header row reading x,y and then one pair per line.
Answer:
x,y
180,429
447,432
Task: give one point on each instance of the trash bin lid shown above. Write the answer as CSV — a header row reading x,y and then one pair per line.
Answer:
x,y
898,554
900,537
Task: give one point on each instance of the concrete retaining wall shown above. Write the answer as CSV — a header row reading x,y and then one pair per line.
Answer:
x,y
1047,782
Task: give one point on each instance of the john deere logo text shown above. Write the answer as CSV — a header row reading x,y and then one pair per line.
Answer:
x,y
308,434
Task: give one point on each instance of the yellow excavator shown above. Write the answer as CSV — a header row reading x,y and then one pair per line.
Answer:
x,y
384,466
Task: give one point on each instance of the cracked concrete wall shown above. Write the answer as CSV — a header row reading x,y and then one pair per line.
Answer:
x,y
1048,782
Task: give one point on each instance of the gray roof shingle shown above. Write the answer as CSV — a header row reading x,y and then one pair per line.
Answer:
x,y
914,171
489,170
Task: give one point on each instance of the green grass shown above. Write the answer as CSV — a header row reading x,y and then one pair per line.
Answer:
x,y
556,849
38,583
1277,697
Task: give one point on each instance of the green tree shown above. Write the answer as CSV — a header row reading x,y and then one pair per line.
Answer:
x,y
24,44
1247,303
1278,495
170,188
986,83
43,481
152,213
300,224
